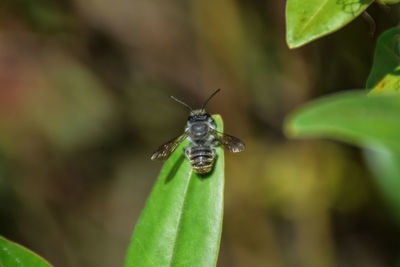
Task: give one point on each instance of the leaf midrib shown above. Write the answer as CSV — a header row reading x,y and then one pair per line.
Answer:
x,y
313,16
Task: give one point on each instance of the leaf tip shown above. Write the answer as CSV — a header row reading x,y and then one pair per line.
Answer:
x,y
293,43
292,46
289,129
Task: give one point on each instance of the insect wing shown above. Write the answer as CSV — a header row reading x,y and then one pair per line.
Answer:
x,y
165,150
231,143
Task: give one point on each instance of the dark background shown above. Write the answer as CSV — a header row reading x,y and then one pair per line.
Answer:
x,y
84,100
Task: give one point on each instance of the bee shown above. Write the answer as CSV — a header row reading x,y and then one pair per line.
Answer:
x,y
203,137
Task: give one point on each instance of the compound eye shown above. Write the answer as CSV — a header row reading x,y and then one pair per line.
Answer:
x,y
191,118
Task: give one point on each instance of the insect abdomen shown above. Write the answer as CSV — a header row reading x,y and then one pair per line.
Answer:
x,y
201,158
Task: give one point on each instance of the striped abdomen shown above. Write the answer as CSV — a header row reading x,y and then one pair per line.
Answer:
x,y
201,158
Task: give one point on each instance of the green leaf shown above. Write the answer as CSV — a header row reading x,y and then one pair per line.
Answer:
x,y
12,254
307,20
385,72
351,117
385,165
369,121
181,222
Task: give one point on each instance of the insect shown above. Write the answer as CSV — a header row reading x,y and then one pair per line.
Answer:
x,y
203,137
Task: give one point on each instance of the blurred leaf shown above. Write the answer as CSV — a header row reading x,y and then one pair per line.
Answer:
x,y
182,221
307,20
385,72
385,165
12,254
370,121
352,117
50,98
74,109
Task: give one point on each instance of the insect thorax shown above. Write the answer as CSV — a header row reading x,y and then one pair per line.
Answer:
x,y
199,127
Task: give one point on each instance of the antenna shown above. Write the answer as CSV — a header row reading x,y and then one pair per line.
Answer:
x,y
211,96
180,101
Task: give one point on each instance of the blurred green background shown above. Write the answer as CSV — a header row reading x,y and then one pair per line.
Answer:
x,y
84,100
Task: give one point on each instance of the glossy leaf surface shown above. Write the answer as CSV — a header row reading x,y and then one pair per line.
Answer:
x,y
307,20
181,222
14,255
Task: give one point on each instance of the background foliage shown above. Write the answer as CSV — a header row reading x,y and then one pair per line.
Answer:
x,y
84,89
